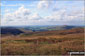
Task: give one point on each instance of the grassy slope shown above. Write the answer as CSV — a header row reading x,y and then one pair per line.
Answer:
x,y
44,43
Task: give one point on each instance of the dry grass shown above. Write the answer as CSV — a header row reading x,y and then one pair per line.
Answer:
x,y
42,45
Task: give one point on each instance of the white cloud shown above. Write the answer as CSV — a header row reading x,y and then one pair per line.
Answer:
x,y
35,16
22,11
16,17
64,17
44,4
24,16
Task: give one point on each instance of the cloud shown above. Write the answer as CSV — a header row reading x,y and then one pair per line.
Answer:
x,y
26,16
16,17
22,16
35,16
22,11
44,4
63,17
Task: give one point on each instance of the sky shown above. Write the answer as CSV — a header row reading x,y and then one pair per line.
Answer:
x,y
42,12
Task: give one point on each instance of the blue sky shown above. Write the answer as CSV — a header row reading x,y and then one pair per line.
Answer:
x,y
19,13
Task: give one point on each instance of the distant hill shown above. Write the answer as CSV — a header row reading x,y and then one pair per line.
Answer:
x,y
59,32
48,28
10,30
55,32
41,29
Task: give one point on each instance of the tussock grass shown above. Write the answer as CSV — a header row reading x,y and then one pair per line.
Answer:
x,y
42,45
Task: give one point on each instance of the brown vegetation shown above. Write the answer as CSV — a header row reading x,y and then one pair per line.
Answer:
x,y
44,43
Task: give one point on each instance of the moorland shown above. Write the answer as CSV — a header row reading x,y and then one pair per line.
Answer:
x,y
41,40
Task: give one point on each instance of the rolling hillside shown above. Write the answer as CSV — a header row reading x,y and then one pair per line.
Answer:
x,y
55,32
55,42
59,42
10,30
32,29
